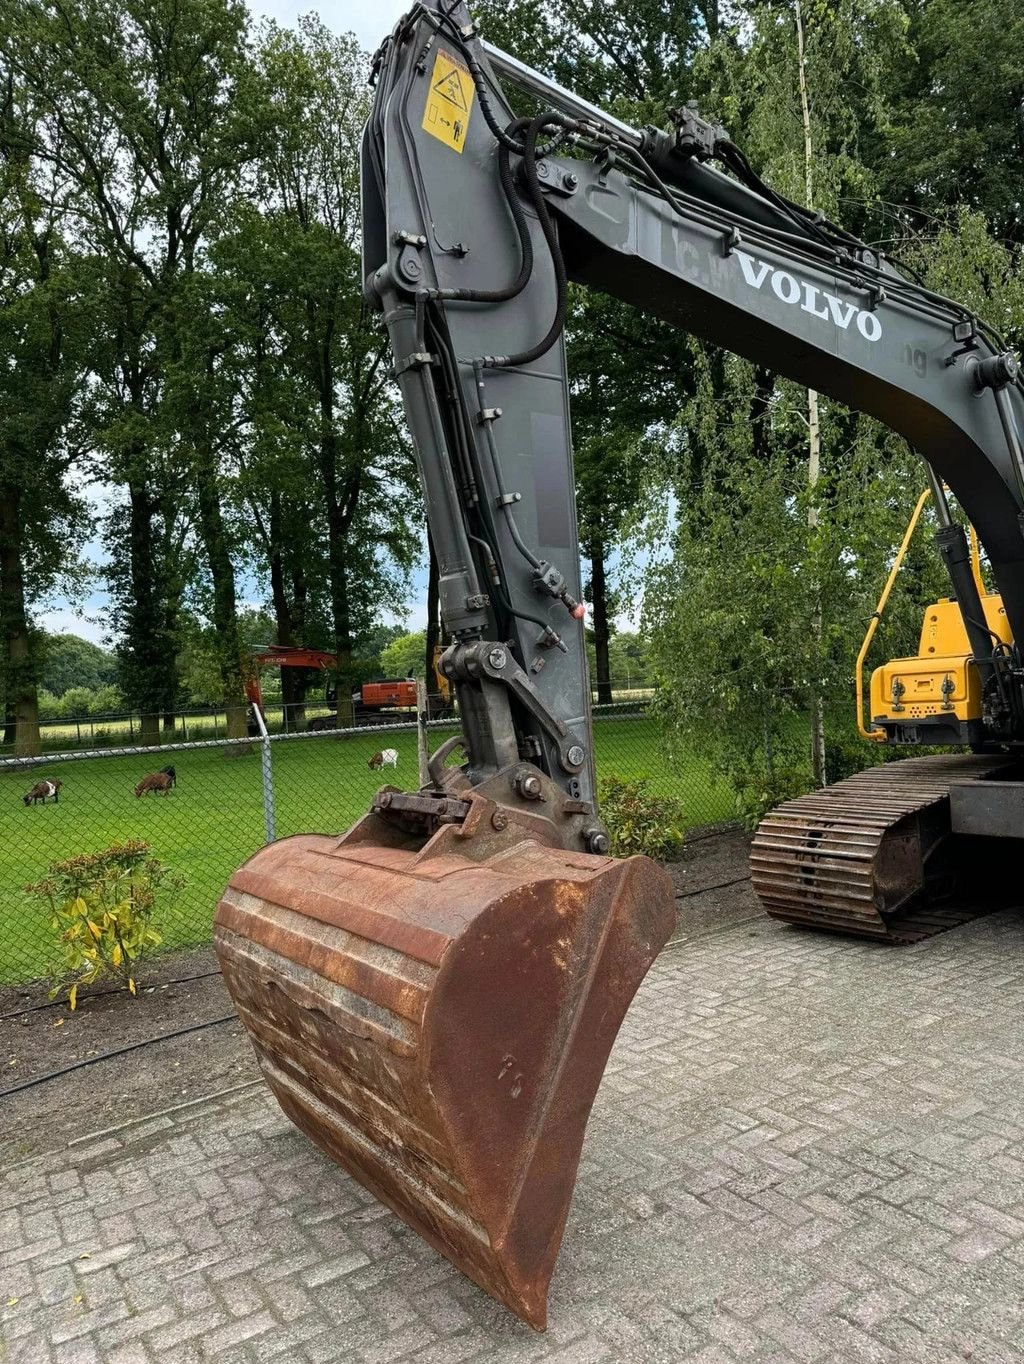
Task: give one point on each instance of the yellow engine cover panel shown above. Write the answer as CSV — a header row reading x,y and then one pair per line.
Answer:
x,y
943,633
912,688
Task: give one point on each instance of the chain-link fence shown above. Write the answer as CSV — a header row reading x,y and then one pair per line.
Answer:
x,y
68,728
196,724
229,797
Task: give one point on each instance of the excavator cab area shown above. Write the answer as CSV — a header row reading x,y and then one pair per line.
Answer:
x,y
912,847
943,695
935,697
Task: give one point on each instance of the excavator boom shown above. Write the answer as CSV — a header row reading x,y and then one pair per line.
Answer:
x,y
433,996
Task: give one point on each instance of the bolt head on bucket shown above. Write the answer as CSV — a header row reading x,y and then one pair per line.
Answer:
x,y
439,1023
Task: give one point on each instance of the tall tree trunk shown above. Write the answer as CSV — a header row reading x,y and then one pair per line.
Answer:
x,y
10,724
602,629
19,665
293,697
433,618
299,605
813,431
225,611
337,530
340,500
174,591
293,680
144,643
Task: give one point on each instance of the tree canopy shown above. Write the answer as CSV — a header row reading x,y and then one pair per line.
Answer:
x,y
182,328
69,661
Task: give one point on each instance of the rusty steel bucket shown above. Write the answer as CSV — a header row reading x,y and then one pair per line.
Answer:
x,y
438,1018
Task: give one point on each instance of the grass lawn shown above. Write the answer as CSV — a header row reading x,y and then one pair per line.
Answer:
x,y
213,821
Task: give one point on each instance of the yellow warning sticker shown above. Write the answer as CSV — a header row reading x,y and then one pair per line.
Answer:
x,y
449,101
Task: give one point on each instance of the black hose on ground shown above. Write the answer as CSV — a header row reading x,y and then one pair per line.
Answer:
x,y
109,1055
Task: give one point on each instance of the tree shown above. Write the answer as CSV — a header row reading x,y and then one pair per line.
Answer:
x,y
957,138
349,475
148,115
274,488
43,347
633,60
405,656
68,661
629,662
630,374
806,94
732,613
630,377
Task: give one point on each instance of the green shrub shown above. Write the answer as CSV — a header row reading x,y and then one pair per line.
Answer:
x,y
640,821
107,701
847,755
102,907
49,705
758,790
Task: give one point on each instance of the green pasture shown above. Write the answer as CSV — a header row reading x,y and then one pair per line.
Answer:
x,y
214,819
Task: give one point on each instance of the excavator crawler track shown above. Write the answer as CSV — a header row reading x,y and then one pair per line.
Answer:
x,y
867,855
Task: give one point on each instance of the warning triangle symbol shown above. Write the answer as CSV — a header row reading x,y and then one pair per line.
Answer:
x,y
450,87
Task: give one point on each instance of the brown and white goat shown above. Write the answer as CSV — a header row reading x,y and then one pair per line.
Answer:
x,y
388,757
42,791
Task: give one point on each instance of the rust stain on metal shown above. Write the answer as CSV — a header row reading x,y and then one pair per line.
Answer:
x,y
438,1021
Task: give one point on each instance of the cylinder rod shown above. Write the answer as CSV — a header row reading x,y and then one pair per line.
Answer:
x,y
550,92
938,492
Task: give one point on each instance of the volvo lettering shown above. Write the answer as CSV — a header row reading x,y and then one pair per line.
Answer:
x,y
810,298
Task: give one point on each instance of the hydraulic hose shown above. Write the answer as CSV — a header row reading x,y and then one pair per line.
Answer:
x,y
530,153
520,282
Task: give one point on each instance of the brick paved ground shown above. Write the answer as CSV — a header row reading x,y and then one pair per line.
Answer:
x,y
805,1149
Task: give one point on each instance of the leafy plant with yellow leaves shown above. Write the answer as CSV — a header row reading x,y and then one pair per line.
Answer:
x,y
102,907
639,820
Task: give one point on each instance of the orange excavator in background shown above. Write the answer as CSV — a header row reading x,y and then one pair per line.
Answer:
x,y
371,700
433,995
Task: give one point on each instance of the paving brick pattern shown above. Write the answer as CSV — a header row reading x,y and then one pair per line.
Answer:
x,y
805,1149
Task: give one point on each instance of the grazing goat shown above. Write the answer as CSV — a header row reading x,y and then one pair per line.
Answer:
x,y
42,789
157,781
387,758
169,771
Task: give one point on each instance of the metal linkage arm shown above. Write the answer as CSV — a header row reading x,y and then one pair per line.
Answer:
x,y
461,268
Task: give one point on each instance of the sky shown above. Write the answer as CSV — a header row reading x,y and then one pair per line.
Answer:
x,y
369,20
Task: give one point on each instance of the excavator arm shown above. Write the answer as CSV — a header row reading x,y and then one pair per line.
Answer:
x,y
473,225
433,996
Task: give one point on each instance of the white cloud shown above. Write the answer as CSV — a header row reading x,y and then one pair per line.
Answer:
x,y
70,622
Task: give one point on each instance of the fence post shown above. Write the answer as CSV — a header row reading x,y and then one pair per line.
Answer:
x,y
268,776
421,729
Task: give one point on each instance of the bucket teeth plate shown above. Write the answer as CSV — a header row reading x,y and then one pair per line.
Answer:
x,y
439,1025
853,857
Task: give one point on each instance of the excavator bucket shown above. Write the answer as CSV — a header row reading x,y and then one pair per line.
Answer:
x,y
437,1019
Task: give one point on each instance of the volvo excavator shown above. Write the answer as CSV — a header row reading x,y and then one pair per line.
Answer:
x,y
433,995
